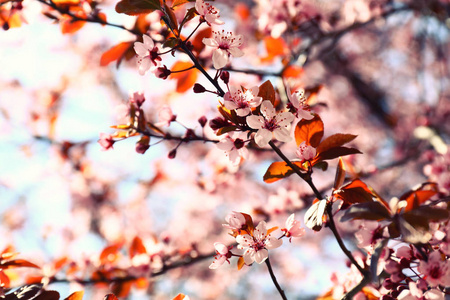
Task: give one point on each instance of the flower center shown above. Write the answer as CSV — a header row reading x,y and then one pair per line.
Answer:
x,y
271,124
435,272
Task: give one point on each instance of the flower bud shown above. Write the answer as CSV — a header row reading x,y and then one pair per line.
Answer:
x,y
218,123
172,154
198,88
225,76
202,120
162,72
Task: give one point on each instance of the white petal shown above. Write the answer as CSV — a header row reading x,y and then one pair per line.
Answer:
x,y
249,256
261,255
290,221
285,119
221,248
234,156
199,7
272,242
140,49
230,105
144,66
242,112
236,52
255,122
238,41
148,42
210,42
282,134
260,232
217,262
304,114
244,240
263,137
267,109
220,58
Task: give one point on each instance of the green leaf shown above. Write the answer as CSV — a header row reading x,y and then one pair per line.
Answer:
x,y
135,7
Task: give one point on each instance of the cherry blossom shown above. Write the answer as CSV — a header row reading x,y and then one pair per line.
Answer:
x,y
236,221
270,124
137,98
256,247
293,228
225,44
222,254
297,104
106,141
242,101
165,116
305,152
208,13
436,270
234,148
147,53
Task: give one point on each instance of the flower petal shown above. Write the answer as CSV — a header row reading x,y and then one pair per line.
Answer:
x,y
261,255
210,42
282,134
236,52
148,42
220,58
263,137
140,49
255,122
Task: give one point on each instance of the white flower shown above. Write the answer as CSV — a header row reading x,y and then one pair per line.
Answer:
x,y
234,148
256,247
241,101
235,220
297,104
225,44
148,57
305,152
222,254
293,228
270,124
208,12
314,215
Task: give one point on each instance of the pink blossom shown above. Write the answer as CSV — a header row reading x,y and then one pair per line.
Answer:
x,y
165,116
208,13
234,148
404,252
241,101
137,98
297,104
225,44
106,141
270,124
148,57
305,152
236,221
293,228
256,247
436,269
222,254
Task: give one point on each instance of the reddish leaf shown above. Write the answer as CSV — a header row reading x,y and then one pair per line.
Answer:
x,y
68,26
121,289
4,279
242,11
75,296
335,153
17,263
102,17
110,297
335,140
172,19
115,53
66,2
109,255
274,47
197,42
366,211
420,195
267,92
135,7
354,192
176,3
48,295
309,131
240,262
137,247
186,79
292,72
340,175
279,170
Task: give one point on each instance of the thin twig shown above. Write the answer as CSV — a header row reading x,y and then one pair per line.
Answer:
x,y
274,279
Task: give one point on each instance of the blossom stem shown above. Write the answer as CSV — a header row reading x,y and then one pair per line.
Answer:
x,y
274,279
179,71
190,35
